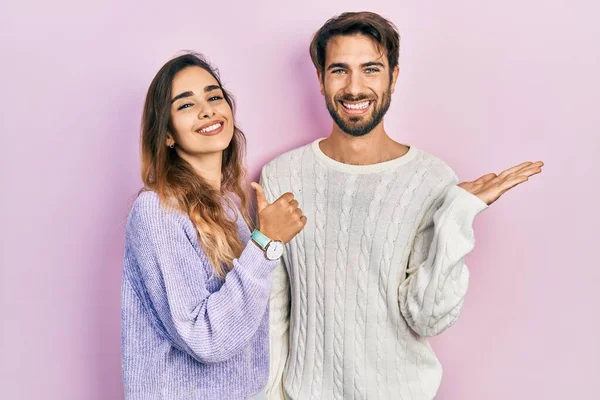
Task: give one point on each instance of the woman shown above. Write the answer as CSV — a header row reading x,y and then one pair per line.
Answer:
x,y
196,283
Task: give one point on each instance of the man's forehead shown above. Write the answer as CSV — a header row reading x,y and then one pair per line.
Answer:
x,y
357,49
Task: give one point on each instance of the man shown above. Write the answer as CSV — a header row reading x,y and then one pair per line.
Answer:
x,y
379,266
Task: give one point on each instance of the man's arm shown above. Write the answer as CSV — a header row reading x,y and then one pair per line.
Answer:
x,y
279,315
432,295
279,324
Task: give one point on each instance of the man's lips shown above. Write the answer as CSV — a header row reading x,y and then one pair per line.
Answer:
x,y
356,107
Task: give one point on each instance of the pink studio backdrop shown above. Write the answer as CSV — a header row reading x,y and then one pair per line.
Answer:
x,y
481,86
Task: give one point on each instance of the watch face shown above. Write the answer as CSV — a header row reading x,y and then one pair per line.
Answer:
x,y
274,250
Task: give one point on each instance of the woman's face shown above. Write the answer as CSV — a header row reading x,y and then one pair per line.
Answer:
x,y
202,120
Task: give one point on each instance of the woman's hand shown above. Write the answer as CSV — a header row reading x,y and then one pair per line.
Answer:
x,y
281,220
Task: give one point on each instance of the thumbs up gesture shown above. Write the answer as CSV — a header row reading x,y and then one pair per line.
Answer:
x,y
281,220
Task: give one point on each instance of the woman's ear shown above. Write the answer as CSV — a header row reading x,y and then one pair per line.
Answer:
x,y
170,142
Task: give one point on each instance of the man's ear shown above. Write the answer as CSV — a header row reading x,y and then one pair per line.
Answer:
x,y
395,74
320,77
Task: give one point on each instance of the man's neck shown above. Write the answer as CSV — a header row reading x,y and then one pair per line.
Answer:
x,y
373,148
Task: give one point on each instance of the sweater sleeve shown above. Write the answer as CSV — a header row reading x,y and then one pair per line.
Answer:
x,y
432,295
279,316
211,327
279,325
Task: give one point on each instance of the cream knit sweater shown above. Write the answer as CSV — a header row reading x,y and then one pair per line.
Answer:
x,y
378,268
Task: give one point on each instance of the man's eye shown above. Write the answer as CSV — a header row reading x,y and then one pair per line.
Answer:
x,y
338,71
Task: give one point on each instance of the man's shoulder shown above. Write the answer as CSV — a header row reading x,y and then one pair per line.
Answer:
x,y
435,166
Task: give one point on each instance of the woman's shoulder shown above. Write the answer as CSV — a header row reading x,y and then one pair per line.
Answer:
x,y
149,209
146,198
148,203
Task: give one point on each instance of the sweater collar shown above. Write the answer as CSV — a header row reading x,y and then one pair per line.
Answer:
x,y
362,169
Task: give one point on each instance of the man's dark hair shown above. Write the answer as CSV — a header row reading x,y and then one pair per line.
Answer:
x,y
370,24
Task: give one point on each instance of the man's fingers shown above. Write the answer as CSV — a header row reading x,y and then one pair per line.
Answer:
x,y
261,199
485,178
530,171
294,203
514,169
512,182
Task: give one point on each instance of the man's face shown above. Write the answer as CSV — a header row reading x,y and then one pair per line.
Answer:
x,y
356,83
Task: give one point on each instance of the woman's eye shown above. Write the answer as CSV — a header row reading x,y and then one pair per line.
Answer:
x,y
215,98
186,105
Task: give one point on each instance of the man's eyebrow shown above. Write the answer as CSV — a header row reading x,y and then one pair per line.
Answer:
x,y
372,64
363,65
337,65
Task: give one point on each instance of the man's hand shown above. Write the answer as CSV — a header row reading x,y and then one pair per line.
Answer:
x,y
490,187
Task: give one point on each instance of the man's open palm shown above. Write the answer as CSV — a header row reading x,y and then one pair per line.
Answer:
x,y
490,187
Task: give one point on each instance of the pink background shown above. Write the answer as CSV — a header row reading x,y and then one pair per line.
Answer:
x,y
481,86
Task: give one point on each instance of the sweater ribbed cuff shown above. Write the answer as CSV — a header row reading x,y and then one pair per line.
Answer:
x,y
465,206
254,258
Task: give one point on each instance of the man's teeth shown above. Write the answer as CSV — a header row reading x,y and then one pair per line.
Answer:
x,y
211,128
357,106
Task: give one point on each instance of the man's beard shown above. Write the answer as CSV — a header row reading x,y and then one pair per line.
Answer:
x,y
352,125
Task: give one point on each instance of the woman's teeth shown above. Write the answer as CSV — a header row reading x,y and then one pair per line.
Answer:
x,y
211,128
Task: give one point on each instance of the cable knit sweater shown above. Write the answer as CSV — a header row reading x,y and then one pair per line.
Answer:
x,y
187,334
378,268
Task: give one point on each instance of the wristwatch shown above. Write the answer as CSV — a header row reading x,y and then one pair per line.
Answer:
x,y
273,248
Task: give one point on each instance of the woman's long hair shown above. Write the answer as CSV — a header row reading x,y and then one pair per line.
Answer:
x,y
176,182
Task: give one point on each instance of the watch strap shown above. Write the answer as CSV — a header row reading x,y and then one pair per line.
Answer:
x,y
260,239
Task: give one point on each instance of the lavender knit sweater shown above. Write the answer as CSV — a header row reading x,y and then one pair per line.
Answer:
x,y
186,333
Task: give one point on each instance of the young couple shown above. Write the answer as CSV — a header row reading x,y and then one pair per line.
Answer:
x,y
356,258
